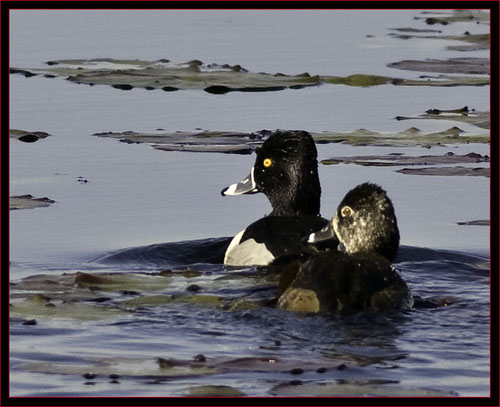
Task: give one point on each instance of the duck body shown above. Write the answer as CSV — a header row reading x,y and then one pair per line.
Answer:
x,y
286,171
342,283
272,237
357,276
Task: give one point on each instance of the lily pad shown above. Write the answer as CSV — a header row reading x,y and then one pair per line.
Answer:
x,y
474,66
202,141
81,296
212,78
353,388
447,17
407,138
447,171
93,295
474,42
121,367
444,80
41,306
484,222
465,115
27,136
121,282
163,368
214,391
400,159
246,143
28,202
129,74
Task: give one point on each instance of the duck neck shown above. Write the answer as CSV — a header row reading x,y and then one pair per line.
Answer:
x,y
301,198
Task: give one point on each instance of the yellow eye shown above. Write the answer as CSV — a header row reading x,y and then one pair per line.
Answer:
x,y
346,211
267,162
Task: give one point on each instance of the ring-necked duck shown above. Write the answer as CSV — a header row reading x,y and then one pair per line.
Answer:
x,y
359,275
286,171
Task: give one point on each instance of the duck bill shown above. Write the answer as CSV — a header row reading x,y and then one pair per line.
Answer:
x,y
324,234
247,186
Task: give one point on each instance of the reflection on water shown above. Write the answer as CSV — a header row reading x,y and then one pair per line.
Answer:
x,y
180,322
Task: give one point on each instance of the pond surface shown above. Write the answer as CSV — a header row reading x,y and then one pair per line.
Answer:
x,y
168,320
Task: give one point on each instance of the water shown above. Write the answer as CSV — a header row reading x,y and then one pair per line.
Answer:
x,y
247,343
138,196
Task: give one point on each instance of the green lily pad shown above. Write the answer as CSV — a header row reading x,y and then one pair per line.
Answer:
x,y
121,282
358,80
148,301
129,74
109,294
82,296
28,202
212,78
27,136
40,306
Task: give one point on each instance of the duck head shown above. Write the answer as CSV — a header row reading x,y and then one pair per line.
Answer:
x,y
286,171
364,221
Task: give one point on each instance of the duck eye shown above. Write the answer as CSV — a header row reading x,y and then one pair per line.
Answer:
x,y
267,162
346,211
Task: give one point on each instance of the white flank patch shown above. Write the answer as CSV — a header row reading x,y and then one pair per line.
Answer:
x,y
248,253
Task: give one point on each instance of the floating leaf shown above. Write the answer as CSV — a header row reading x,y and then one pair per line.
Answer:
x,y
465,115
214,391
475,42
33,306
357,80
400,159
121,282
28,202
444,80
447,171
203,141
120,367
353,388
129,74
213,78
246,143
452,65
447,17
171,368
484,222
406,138
27,136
